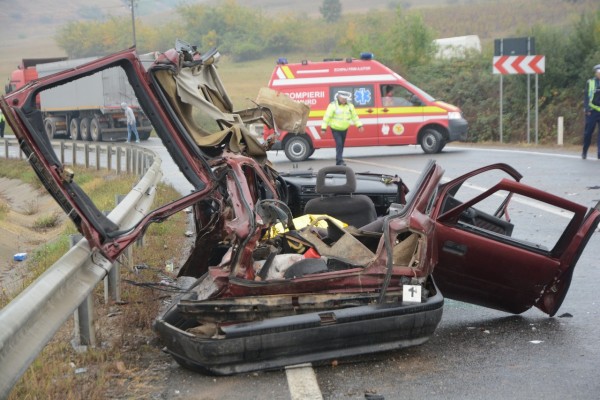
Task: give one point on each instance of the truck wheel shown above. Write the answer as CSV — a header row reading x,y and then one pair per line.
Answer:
x,y
144,134
95,130
84,129
74,129
297,148
431,141
50,127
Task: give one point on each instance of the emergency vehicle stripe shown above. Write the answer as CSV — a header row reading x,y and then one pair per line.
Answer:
x,y
411,110
331,79
288,73
363,112
280,73
314,125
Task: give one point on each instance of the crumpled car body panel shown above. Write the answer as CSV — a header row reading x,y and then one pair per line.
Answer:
x,y
268,293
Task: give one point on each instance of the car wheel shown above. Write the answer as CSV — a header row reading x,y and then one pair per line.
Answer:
x,y
297,148
74,129
431,141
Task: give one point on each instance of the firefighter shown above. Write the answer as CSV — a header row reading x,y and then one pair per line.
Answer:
x,y
340,114
591,105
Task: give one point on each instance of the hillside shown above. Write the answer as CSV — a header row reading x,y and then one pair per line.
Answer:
x,y
28,28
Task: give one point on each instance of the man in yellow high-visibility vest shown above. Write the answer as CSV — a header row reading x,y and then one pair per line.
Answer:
x,y
340,114
591,105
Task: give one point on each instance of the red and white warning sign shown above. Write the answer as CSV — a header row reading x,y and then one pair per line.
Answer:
x,y
507,65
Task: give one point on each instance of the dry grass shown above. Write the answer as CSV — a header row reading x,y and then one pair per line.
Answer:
x,y
128,362
48,221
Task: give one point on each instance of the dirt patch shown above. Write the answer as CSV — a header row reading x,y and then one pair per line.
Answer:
x,y
26,206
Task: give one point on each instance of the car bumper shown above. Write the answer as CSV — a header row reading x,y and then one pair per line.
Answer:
x,y
277,342
457,130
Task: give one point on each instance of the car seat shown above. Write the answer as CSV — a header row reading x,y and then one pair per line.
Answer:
x,y
339,200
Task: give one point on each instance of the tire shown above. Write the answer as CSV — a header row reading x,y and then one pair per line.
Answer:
x,y
74,129
84,129
297,148
431,141
95,130
50,127
144,133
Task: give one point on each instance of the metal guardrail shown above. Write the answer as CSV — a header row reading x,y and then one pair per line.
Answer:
x,y
33,317
120,157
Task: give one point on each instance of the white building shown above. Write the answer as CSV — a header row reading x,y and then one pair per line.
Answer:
x,y
457,47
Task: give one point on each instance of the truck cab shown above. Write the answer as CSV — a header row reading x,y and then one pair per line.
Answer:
x,y
393,110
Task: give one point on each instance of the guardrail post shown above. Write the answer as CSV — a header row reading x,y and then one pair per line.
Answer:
x,y
119,161
74,153
128,161
83,334
86,154
97,157
109,149
62,152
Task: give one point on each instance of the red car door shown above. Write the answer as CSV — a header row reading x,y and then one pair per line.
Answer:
x,y
506,245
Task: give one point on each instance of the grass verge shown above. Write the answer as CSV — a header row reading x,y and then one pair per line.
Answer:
x,y
127,361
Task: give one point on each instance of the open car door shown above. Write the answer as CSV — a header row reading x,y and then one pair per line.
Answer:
x,y
505,245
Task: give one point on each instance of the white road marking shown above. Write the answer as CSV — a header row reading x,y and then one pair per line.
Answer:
x,y
302,382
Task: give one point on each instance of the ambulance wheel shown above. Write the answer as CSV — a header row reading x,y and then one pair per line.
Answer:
x,y
297,148
431,141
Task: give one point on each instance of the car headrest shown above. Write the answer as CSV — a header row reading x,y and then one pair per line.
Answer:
x,y
348,187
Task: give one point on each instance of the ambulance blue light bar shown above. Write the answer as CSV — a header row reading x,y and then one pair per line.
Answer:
x,y
282,60
367,56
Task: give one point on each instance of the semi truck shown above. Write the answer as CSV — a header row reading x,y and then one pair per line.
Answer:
x,y
86,109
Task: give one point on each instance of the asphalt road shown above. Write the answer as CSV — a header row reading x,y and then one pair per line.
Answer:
x,y
475,353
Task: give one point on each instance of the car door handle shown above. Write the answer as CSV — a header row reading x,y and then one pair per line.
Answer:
x,y
370,111
385,110
454,248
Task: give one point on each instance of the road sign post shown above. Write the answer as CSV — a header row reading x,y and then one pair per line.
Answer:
x,y
517,56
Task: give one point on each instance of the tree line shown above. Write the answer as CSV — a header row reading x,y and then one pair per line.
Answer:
x,y
401,39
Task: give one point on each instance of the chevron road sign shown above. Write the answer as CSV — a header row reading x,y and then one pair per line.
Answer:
x,y
507,65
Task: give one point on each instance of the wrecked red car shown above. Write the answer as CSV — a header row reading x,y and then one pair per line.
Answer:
x,y
309,267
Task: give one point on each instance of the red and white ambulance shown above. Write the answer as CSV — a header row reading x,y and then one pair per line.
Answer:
x,y
393,111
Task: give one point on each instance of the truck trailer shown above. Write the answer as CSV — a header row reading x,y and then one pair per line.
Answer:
x,y
85,109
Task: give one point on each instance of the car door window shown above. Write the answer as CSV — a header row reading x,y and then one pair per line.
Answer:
x,y
398,96
503,215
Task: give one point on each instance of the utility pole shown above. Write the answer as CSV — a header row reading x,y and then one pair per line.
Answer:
x,y
133,22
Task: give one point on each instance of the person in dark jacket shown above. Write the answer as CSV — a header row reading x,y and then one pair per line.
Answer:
x,y
591,105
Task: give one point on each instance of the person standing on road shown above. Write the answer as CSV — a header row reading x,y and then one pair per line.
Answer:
x,y
2,123
131,124
340,114
591,105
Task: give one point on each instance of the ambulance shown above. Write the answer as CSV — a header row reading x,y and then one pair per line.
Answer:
x,y
393,111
